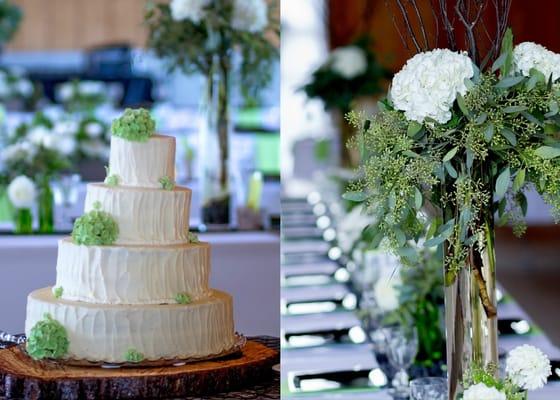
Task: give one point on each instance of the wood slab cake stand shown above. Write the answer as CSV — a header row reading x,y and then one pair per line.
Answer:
x,y
22,377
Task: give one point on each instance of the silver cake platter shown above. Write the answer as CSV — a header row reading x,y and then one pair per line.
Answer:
x,y
235,349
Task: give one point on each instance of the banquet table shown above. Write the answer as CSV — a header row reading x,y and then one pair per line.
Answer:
x,y
320,337
245,264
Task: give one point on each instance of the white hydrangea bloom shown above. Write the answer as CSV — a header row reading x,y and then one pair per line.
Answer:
x,y
95,149
66,127
65,91
428,84
21,192
39,135
19,151
24,87
350,227
91,88
192,10
528,367
93,129
528,55
249,15
482,392
349,62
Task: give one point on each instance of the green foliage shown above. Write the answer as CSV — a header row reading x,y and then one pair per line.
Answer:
x,y
10,18
135,125
95,228
487,376
182,298
47,339
438,181
193,238
111,179
166,183
193,47
133,356
420,299
337,92
57,292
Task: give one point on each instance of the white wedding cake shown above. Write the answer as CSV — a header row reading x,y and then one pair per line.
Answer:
x,y
132,282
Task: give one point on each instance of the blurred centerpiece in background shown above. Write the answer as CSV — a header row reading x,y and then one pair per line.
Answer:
x,y
230,44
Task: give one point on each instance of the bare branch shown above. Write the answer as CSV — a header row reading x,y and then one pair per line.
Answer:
x,y
421,23
408,26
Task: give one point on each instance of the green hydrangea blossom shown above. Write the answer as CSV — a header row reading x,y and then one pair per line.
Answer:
x,y
111,179
57,292
166,183
135,125
182,298
47,339
134,356
95,228
193,238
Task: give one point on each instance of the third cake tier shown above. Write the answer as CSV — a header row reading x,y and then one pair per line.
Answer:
x,y
132,274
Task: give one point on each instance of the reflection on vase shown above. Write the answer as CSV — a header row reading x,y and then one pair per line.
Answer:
x,y
470,313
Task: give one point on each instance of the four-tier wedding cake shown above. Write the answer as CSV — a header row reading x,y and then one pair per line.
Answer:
x,y
132,282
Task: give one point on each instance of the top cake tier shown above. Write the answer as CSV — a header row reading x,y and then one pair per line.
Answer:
x,y
143,164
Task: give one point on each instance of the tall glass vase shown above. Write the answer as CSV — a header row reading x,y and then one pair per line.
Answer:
x,y
45,207
214,147
471,313
23,221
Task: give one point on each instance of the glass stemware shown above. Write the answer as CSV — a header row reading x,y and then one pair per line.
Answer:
x,y
402,346
66,195
428,389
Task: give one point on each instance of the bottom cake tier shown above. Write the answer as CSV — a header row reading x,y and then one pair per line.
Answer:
x,y
168,331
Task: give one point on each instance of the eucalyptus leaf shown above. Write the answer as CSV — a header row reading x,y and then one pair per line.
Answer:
x,y
519,180
417,198
481,119
514,109
509,81
413,128
470,158
489,132
462,105
500,61
547,152
356,197
400,236
450,170
450,154
502,183
509,136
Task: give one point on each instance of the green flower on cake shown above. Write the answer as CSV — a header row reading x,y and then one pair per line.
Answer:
x,y
95,228
183,298
57,292
193,238
133,356
166,183
47,339
111,179
135,125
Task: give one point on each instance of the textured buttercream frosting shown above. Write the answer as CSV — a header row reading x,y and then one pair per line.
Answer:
x,y
106,332
144,216
142,164
132,274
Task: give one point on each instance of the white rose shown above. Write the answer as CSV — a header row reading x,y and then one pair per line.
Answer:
x,y
65,91
349,62
68,127
24,88
249,15
91,88
188,9
21,192
428,84
482,392
528,55
528,367
93,129
38,135
386,293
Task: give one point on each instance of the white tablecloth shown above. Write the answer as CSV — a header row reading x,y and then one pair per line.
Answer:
x,y
243,264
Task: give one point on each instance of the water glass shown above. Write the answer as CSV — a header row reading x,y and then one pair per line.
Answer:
x,y
402,346
428,389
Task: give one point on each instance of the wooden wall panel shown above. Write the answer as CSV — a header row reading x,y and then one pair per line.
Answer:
x,y
78,24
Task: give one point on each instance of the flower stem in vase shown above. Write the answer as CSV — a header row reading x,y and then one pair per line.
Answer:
x,y
23,221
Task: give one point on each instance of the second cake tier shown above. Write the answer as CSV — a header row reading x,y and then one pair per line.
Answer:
x,y
132,274
144,216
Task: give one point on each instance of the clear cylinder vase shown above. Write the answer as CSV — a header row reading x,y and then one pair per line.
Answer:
x,y
46,208
23,221
470,313
214,145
